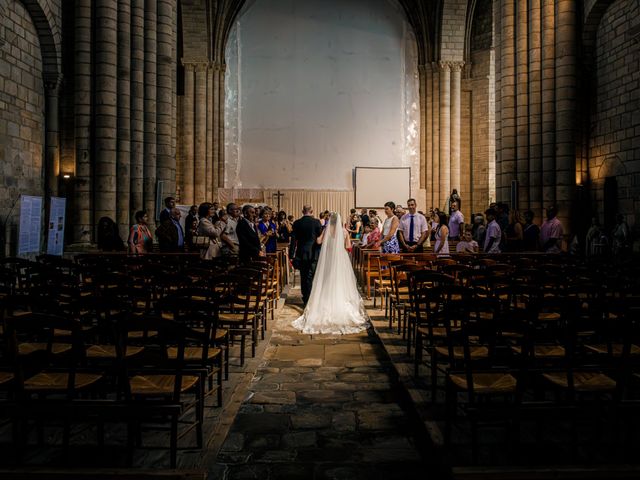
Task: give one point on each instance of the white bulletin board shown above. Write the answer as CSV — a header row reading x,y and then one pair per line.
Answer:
x,y
375,186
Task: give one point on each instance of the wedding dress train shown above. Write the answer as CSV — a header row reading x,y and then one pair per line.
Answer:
x,y
335,305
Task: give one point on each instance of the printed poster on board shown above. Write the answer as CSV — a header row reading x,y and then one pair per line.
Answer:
x,y
55,239
30,222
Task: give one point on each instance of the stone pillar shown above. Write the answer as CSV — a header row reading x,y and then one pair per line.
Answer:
x,y
535,107
174,93
52,137
422,88
522,104
508,95
217,168
150,108
123,182
566,87
435,133
219,119
83,194
188,134
137,107
165,168
428,133
106,105
200,165
548,104
445,134
456,73
210,175
496,162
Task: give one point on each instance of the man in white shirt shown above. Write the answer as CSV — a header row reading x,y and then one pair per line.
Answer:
x,y
413,229
494,233
456,222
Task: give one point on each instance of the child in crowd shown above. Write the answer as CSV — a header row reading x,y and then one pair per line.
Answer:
x,y
467,244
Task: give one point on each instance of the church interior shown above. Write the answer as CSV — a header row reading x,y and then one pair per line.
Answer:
x,y
122,356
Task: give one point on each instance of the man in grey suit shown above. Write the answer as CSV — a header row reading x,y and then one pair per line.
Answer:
x,y
305,250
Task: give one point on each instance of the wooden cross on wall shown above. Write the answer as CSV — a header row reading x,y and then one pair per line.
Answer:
x,y
278,196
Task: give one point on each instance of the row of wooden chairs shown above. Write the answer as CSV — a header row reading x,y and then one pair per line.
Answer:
x,y
518,330
89,308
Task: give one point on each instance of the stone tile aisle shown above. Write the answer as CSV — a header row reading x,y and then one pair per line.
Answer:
x,y
321,407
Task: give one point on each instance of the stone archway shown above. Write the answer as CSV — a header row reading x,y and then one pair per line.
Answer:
x,y
201,161
52,80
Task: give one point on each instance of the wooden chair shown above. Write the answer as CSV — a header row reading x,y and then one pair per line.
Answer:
x,y
46,377
197,308
162,378
426,323
241,297
476,371
371,269
399,301
382,285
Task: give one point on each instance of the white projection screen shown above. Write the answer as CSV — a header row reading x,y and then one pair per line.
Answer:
x,y
375,186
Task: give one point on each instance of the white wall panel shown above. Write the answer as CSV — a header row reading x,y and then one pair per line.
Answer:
x,y
315,88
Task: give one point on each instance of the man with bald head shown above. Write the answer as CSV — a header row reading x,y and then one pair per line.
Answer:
x,y
304,249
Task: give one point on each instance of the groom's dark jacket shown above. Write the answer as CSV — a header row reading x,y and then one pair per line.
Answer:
x,y
306,230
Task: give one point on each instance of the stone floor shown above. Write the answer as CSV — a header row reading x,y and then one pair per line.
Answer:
x,y
322,407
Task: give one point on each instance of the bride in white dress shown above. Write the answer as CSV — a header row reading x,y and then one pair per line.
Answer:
x,y
335,305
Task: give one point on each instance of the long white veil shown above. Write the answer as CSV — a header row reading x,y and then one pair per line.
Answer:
x,y
335,305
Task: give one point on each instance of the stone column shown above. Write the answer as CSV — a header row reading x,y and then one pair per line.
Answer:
x,y
83,198
496,162
210,175
123,182
535,107
200,165
52,137
456,73
435,133
106,105
150,108
522,104
548,104
428,133
165,168
508,96
188,134
422,87
217,168
174,93
566,87
219,115
445,134
137,106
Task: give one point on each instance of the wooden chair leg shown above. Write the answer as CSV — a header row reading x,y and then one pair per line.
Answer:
x,y
174,442
418,355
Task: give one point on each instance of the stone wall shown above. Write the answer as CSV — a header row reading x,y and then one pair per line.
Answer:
x,y
614,149
478,136
21,115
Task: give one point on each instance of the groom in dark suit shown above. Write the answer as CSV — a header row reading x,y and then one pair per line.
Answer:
x,y
305,250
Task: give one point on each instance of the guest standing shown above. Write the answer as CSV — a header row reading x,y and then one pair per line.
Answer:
x,y
389,241
494,233
441,247
140,238
414,229
551,232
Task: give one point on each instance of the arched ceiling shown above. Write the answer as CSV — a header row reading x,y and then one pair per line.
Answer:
x,y
201,17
